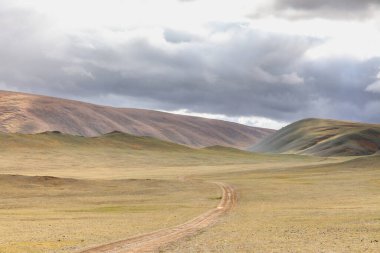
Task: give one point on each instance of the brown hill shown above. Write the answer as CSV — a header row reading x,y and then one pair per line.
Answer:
x,y
26,113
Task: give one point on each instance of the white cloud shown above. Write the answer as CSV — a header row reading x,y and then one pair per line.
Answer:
x,y
374,87
249,121
357,38
292,79
78,70
261,122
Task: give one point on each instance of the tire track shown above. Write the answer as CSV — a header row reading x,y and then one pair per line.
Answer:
x,y
150,242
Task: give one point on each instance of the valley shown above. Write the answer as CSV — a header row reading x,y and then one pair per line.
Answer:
x,y
312,186
68,194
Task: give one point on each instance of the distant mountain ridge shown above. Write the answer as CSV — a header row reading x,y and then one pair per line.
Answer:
x,y
30,114
323,137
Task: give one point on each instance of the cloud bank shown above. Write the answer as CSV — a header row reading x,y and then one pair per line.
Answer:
x,y
338,9
227,68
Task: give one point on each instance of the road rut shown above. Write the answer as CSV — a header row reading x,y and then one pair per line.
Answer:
x,y
151,242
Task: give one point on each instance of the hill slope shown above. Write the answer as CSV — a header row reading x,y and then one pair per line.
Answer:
x,y
56,140
26,113
323,138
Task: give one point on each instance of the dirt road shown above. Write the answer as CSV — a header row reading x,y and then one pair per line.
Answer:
x,y
150,242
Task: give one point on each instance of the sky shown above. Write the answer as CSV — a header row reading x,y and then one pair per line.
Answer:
x,y
263,63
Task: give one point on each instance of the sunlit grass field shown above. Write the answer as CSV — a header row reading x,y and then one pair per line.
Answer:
x,y
110,188
311,209
44,214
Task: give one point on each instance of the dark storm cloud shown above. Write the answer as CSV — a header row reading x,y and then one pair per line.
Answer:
x,y
347,5
250,74
338,9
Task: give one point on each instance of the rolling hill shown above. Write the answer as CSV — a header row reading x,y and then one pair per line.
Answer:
x,y
30,114
323,137
56,140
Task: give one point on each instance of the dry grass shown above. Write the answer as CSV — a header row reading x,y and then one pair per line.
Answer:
x,y
317,209
287,203
44,214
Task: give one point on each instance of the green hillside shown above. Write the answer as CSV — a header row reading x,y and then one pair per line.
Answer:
x,y
115,139
323,137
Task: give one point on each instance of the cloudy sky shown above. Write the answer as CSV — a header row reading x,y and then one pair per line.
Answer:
x,y
262,63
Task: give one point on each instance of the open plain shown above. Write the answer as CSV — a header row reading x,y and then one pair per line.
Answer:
x,y
61,197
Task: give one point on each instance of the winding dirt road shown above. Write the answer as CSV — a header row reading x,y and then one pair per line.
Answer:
x,y
150,242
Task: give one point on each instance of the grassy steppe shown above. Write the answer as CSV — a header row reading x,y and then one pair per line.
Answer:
x,y
46,214
332,208
287,203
